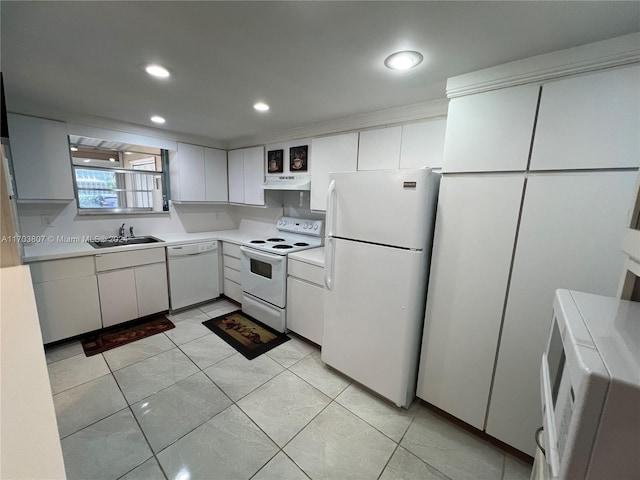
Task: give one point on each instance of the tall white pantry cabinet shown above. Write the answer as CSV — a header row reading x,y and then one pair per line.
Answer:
x,y
537,183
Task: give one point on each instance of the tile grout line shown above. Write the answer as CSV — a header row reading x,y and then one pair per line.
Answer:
x,y
388,460
144,435
235,402
280,449
128,406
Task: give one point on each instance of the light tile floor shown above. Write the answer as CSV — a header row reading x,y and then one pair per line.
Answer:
x,y
184,405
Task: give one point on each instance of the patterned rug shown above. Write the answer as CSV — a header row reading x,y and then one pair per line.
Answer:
x,y
247,335
121,335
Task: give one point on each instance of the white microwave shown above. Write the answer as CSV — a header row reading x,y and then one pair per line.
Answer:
x,y
590,386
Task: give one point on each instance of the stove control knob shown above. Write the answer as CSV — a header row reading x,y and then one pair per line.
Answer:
x,y
315,227
306,225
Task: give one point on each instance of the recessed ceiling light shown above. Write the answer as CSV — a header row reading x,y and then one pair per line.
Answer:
x,y
403,60
128,153
74,149
157,71
86,160
261,107
157,119
112,159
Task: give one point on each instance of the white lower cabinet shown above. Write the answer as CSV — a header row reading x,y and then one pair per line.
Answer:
x,y
151,280
132,285
66,294
118,301
305,300
231,285
67,307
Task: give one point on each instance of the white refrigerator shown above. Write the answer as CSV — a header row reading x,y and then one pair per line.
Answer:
x,y
379,231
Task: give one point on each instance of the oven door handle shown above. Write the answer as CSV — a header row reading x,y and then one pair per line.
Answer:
x,y
265,257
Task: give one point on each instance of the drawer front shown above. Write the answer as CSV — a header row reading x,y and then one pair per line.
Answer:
x,y
231,249
306,271
61,269
232,262
233,290
113,261
232,274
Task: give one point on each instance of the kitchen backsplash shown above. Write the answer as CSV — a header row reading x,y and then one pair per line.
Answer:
x,y
296,204
56,219
62,219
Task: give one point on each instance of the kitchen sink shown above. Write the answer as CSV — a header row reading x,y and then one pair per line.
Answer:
x,y
124,242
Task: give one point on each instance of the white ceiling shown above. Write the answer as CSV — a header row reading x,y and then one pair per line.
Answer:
x,y
311,61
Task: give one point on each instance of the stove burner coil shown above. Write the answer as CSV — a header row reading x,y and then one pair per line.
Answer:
x,y
301,244
282,247
275,239
257,241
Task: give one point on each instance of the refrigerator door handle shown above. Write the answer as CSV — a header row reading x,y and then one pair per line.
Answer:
x,y
328,268
330,208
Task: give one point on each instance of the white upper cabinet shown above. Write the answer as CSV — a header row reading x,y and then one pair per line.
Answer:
x,y
215,175
423,144
590,121
236,176
254,176
198,174
336,153
246,176
490,131
41,158
380,148
187,173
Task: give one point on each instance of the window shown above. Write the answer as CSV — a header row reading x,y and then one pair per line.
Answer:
x,y
118,178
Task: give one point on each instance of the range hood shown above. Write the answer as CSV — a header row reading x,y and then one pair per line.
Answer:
x,y
287,182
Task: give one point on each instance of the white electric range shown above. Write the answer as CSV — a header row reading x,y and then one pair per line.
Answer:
x,y
263,265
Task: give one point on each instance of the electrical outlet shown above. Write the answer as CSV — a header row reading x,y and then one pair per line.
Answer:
x,y
47,220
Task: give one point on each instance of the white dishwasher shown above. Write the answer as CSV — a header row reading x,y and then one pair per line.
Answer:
x,y
193,273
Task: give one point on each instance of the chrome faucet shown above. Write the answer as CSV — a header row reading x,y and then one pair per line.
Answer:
x,y
121,233
131,235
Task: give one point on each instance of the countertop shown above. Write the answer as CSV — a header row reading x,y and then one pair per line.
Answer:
x,y
30,444
314,256
53,248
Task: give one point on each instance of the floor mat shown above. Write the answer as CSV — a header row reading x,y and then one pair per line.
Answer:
x,y
121,335
246,334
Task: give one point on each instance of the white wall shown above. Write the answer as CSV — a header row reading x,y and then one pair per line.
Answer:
x,y
181,219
